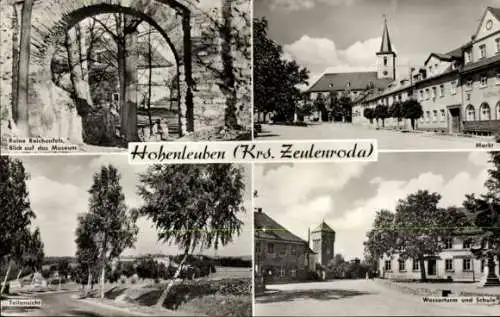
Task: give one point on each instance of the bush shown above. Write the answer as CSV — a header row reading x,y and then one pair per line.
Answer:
x,y
123,279
134,279
368,114
291,123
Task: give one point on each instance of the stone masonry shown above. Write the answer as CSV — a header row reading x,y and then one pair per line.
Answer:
x,y
52,113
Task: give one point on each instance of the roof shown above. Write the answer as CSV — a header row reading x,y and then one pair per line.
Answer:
x,y
267,228
486,62
323,227
495,12
456,53
385,46
352,81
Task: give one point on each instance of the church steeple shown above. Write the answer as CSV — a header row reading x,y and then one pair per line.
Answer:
x,y
386,66
385,46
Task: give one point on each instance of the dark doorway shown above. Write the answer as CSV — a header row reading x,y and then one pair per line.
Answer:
x,y
431,267
455,120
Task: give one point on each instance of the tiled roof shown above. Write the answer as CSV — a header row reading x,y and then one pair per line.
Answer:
x,y
323,227
352,81
268,228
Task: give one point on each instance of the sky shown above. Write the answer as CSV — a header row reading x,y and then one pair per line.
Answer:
x,y
347,195
58,189
343,35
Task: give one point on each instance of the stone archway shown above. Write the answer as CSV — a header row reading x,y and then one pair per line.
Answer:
x,y
178,21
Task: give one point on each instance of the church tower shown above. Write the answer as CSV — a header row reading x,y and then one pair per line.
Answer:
x,y
323,238
386,57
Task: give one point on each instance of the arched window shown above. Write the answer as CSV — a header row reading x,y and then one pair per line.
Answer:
x,y
470,113
498,111
484,112
385,60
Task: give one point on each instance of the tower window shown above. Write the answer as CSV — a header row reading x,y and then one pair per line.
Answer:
x,y
385,60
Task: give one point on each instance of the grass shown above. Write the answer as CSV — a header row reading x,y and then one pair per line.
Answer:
x,y
218,305
225,297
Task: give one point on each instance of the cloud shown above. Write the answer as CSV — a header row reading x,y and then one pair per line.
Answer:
x,y
322,54
479,158
297,5
57,206
353,225
293,193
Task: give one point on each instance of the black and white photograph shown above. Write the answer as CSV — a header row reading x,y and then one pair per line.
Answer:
x,y
410,74
413,234
91,76
88,235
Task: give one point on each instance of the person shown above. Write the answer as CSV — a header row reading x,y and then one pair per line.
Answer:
x,y
163,124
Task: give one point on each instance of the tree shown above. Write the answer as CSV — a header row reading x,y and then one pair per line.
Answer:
x,y
412,110
421,227
345,104
276,79
381,113
30,251
485,211
14,224
87,252
382,237
192,205
320,105
396,111
120,45
336,266
368,114
109,227
306,107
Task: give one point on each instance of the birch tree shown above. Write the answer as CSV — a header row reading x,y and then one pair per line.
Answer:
x,y
109,227
193,206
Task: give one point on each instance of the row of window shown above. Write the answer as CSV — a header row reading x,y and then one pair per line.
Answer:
x,y
485,112
428,93
483,53
283,249
280,271
435,116
466,265
440,91
448,244
483,82
433,92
